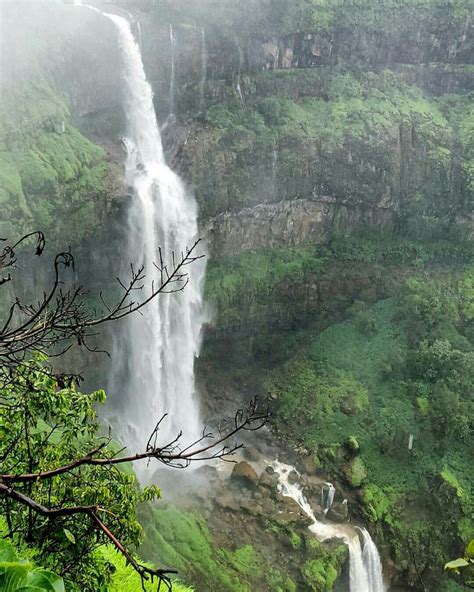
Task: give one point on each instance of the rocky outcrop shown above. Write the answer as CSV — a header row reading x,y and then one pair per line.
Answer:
x,y
290,223
243,473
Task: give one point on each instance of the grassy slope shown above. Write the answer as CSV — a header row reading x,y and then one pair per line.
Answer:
x,y
349,382
51,176
345,393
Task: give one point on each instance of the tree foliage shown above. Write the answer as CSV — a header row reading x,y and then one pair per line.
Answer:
x,y
62,484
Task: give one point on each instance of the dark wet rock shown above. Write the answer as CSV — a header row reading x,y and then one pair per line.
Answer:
x,y
288,513
293,477
252,453
338,512
308,465
244,474
227,501
207,472
269,481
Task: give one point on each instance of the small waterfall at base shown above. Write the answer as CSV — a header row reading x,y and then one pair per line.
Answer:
x,y
327,497
153,356
372,562
365,567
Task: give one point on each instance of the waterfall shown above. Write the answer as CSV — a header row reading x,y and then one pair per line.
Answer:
x,y
327,497
173,69
238,88
202,83
139,34
365,567
372,562
153,356
274,170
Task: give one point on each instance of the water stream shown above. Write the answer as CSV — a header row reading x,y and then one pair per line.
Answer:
x,y
154,353
365,568
202,83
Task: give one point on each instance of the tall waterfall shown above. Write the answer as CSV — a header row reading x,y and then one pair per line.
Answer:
x,y
365,567
153,357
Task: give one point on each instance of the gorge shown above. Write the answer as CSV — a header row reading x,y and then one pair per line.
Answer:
x,y
323,153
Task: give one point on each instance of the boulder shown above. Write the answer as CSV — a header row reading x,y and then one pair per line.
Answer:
x,y
338,512
290,514
269,482
227,501
252,453
293,477
244,474
210,474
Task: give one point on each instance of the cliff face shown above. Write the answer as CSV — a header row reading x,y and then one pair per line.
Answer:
x,y
362,109
291,223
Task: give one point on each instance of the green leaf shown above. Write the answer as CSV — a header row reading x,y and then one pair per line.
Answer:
x,y
69,536
13,575
46,580
470,549
456,564
7,551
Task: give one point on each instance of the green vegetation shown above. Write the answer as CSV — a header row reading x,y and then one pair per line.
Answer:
x,y
183,540
415,367
321,573
60,425
51,176
263,286
361,138
22,575
355,392
124,578
321,16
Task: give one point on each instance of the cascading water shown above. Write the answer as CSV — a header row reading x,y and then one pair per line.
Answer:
x,y
365,568
153,361
327,497
139,34
373,565
238,88
173,69
202,83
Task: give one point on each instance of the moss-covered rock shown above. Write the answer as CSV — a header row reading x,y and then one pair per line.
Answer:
x,y
51,176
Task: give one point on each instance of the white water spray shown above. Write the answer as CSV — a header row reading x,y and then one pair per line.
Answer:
x,y
365,568
153,361
173,69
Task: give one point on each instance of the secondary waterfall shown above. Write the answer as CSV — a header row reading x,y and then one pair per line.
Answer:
x,y
365,567
153,356
202,83
327,497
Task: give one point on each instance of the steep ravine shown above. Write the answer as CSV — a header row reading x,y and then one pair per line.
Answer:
x,y
320,151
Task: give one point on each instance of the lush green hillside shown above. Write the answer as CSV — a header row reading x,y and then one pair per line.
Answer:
x,y
51,176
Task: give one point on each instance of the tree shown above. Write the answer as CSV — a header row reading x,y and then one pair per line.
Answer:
x,y
61,486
